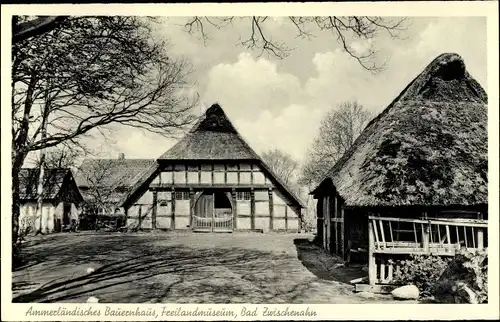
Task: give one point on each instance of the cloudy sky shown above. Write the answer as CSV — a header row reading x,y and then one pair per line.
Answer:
x,y
280,103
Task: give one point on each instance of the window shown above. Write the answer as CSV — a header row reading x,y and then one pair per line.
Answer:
x,y
182,195
243,195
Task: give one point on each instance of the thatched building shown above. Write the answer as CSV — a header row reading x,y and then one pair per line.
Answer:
x,y
424,156
211,180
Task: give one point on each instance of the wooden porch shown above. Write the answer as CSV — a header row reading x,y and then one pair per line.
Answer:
x,y
390,239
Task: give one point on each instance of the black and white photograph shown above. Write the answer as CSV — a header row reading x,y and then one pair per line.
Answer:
x,y
266,163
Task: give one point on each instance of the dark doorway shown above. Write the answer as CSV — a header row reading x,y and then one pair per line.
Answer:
x,y
222,205
66,213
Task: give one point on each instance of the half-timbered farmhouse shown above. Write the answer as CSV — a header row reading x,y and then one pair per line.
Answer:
x,y
415,180
61,200
211,180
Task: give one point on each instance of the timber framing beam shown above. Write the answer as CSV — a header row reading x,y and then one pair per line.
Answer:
x,y
235,208
172,220
154,210
252,209
271,209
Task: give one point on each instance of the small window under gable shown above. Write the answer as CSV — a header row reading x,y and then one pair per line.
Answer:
x,y
243,195
182,195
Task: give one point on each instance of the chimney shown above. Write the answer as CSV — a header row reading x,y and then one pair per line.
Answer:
x,y
121,156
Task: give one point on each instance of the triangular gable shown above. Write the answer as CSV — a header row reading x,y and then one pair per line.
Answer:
x,y
212,138
54,180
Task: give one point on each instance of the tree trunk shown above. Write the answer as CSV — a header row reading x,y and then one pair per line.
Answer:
x,y
39,204
39,192
18,160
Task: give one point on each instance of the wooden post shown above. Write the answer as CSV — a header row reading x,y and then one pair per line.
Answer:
x,y
139,227
342,231
335,224
271,209
480,234
480,238
191,207
372,268
126,217
172,220
235,208
326,223
155,206
252,209
286,217
319,219
425,238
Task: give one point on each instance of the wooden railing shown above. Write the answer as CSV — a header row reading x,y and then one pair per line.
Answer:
x,y
220,222
390,237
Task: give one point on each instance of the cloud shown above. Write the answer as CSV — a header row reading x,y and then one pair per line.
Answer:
x,y
250,86
464,36
292,130
275,109
134,143
280,104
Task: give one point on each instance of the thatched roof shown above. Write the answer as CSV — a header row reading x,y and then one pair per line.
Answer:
x,y
212,138
428,147
115,172
118,175
53,180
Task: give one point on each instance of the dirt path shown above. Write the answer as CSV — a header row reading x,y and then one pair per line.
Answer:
x,y
182,268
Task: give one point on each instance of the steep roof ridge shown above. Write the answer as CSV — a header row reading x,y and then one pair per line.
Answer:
x,y
146,175
445,86
405,95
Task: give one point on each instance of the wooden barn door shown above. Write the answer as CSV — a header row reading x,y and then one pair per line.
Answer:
x,y
213,212
204,212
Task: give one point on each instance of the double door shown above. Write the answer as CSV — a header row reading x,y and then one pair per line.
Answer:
x,y
211,214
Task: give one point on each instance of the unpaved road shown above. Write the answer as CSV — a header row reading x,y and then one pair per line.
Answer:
x,y
176,267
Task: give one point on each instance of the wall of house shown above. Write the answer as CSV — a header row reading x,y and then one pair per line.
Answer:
x,y
50,214
259,205
28,217
212,174
331,228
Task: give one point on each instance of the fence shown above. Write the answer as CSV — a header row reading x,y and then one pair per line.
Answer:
x,y
389,238
221,221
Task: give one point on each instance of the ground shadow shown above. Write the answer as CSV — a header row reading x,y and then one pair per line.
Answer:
x,y
159,274
38,250
323,265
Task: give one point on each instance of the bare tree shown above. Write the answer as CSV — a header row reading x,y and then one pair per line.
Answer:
x,y
98,193
63,156
344,30
86,74
27,28
282,164
337,133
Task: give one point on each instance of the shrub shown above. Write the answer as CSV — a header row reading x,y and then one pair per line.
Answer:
x,y
422,271
465,280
